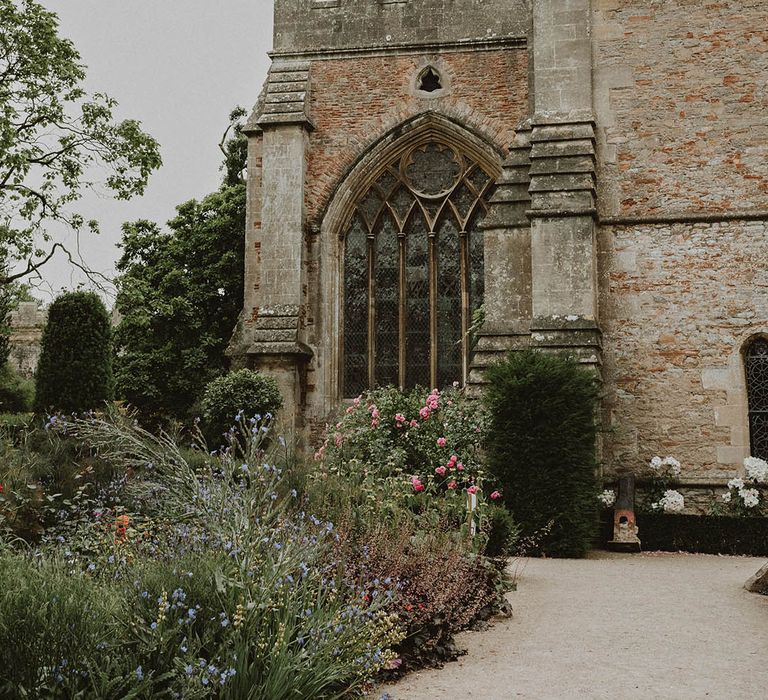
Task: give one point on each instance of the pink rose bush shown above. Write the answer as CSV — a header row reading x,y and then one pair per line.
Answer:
x,y
419,450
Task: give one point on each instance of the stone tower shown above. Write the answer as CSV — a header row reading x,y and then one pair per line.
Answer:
x,y
593,174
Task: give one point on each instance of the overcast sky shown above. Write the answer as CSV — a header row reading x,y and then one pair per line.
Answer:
x,y
179,67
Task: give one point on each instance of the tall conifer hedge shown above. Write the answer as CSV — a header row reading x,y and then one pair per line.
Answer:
x,y
74,373
541,446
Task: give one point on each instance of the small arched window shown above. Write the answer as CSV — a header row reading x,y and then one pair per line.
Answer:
x,y
414,271
756,366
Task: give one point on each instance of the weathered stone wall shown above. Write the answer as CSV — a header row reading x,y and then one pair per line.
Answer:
x,y
316,25
355,101
681,98
27,323
679,301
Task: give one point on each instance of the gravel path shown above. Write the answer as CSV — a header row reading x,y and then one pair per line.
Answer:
x,y
617,626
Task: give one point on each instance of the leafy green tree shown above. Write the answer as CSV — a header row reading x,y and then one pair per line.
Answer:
x,y
54,139
234,148
74,373
179,295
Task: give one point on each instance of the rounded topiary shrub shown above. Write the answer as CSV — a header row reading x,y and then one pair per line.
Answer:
x,y
243,392
541,447
74,373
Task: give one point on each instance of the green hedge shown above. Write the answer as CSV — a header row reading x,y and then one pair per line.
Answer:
x,y
541,447
75,369
703,534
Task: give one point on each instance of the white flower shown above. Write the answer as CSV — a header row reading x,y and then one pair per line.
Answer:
x,y
656,462
607,497
673,464
672,501
727,497
751,497
737,483
756,468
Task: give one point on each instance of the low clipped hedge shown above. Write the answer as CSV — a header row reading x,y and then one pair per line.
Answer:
x,y
702,534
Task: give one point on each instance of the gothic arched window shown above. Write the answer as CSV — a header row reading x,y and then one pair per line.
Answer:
x,y
413,270
756,366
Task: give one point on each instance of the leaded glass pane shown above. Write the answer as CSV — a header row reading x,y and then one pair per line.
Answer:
x,y
387,182
387,303
756,365
370,206
401,203
417,345
449,307
356,310
479,179
463,199
476,267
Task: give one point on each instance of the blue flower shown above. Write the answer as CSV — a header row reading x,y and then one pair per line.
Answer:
x,y
191,613
139,673
189,670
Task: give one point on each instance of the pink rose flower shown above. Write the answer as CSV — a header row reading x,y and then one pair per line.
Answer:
x,y
440,470
472,489
452,485
416,483
441,442
424,413
460,467
338,439
495,496
452,460
399,419
350,409
414,423
357,401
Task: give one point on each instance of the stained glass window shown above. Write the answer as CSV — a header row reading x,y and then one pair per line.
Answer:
x,y
756,366
414,271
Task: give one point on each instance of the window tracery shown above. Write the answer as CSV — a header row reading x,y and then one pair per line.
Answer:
x,y
413,270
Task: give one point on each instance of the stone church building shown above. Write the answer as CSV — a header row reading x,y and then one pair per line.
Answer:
x,y
587,175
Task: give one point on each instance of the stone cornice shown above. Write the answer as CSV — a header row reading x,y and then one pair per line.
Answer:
x,y
484,44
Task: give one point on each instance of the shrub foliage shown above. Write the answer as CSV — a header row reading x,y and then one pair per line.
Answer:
x,y
541,446
243,392
75,369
